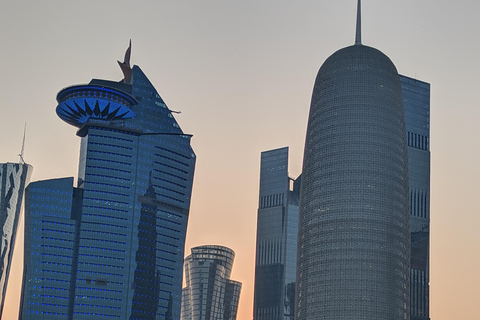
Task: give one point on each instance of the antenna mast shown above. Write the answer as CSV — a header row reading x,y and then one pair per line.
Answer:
x,y
23,145
358,35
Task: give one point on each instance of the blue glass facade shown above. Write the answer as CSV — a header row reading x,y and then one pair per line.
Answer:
x,y
50,235
416,101
13,179
129,221
277,226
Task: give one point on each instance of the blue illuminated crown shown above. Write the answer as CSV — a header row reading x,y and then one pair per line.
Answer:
x,y
77,104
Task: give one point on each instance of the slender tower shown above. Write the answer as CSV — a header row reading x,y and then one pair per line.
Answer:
x,y
13,179
277,225
416,101
353,255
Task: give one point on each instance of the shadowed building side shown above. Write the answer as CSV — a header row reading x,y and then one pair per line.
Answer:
x,y
416,100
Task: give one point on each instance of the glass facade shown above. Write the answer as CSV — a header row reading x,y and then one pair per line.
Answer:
x,y
277,226
120,250
416,101
13,179
354,224
51,225
209,293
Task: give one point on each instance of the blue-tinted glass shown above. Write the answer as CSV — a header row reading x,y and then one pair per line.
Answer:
x,y
277,226
130,207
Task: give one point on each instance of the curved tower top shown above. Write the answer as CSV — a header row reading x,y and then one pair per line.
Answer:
x,y
353,241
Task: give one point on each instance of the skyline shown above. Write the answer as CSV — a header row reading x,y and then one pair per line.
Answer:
x,y
204,64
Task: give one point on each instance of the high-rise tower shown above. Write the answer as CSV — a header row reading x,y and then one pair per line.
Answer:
x,y
277,225
113,246
13,179
354,233
210,294
416,101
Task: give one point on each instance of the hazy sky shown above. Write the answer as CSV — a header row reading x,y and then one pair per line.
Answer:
x,y
242,74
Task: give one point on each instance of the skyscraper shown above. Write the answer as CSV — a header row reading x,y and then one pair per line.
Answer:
x,y
416,101
277,225
13,179
113,246
354,227
210,294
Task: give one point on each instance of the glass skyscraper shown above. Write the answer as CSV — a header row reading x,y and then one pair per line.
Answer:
x,y
416,101
210,294
13,179
354,223
277,226
113,246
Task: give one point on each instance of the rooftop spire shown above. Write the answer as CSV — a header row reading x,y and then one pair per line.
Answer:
x,y
358,36
23,145
125,65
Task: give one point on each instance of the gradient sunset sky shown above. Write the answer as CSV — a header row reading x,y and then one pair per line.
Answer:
x,y
242,73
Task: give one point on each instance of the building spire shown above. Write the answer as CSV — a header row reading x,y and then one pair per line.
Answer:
x,y
358,36
125,65
23,145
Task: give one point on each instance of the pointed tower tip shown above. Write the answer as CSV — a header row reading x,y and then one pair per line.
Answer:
x,y
358,35
22,161
125,65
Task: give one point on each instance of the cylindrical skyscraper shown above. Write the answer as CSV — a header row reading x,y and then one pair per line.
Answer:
x,y
354,240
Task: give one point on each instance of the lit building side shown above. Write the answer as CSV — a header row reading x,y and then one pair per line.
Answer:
x,y
113,246
13,179
354,223
277,227
209,293
416,101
